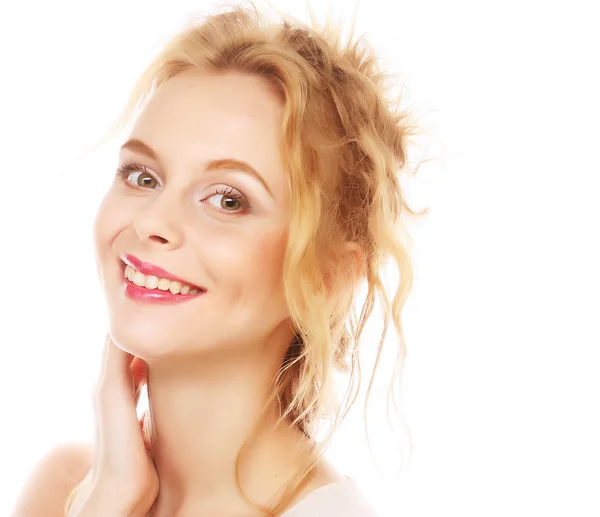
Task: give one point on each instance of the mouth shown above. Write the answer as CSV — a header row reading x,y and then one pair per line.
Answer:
x,y
152,277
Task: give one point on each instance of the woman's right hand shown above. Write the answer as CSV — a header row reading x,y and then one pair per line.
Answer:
x,y
122,480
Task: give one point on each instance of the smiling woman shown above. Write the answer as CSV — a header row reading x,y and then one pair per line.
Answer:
x,y
258,189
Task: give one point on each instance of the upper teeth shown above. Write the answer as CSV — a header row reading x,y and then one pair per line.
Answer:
x,y
153,282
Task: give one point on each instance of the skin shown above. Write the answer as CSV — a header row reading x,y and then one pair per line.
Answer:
x,y
211,359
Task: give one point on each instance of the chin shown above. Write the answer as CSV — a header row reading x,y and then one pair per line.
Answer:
x,y
144,340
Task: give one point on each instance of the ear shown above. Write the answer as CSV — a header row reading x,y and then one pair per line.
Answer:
x,y
358,257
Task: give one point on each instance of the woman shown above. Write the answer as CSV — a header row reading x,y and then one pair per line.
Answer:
x,y
257,189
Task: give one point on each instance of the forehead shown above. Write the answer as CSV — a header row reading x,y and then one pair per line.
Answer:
x,y
198,116
194,97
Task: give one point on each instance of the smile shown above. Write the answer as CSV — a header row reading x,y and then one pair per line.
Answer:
x,y
145,282
154,282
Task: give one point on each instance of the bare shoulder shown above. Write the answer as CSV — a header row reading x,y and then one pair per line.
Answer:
x,y
52,479
326,473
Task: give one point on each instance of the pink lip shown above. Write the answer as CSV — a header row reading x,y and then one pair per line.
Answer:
x,y
150,269
141,294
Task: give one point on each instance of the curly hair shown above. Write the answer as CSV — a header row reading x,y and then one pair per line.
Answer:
x,y
344,144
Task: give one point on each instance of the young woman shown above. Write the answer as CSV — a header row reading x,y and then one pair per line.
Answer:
x,y
257,189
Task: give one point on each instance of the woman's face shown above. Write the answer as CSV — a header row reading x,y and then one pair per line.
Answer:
x,y
223,230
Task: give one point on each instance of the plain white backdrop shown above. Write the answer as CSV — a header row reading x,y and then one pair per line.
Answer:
x,y
502,378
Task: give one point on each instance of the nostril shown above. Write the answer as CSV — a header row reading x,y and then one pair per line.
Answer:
x,y
162,240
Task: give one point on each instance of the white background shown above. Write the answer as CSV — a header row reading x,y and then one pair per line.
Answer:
x,y
502,379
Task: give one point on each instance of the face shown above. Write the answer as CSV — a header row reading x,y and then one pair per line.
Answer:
x,y
221,229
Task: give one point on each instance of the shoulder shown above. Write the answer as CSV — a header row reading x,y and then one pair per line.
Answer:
x,y
325,473
52,479
336,498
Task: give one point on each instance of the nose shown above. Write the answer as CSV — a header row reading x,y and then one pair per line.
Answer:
x,y
160,221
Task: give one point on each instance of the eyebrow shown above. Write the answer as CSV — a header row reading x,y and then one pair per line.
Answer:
x,y
213,165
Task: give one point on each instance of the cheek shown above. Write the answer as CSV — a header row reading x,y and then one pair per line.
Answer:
x,y
269,253
255,267
109,221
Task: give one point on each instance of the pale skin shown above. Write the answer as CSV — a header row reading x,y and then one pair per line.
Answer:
x,y
211,360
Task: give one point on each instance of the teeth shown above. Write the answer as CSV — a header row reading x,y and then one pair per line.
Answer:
x,y
139,279
163,284
153,282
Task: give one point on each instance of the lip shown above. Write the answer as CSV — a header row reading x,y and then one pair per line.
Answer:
x,y
155,296
150,269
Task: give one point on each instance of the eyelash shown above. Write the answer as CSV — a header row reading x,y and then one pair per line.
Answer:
x,y
124,170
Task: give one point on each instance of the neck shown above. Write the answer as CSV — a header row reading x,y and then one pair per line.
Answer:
x,y
203,410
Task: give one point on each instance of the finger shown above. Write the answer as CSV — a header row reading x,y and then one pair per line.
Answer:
x,y
117,365
115,381
116,399
139,370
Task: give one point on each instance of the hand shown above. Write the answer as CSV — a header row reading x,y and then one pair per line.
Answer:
x,y
122,480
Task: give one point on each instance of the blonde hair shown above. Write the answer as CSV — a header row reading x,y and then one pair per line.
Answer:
x,y
343,144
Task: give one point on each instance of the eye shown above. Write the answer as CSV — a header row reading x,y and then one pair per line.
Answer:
x,y
144,179
231,200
